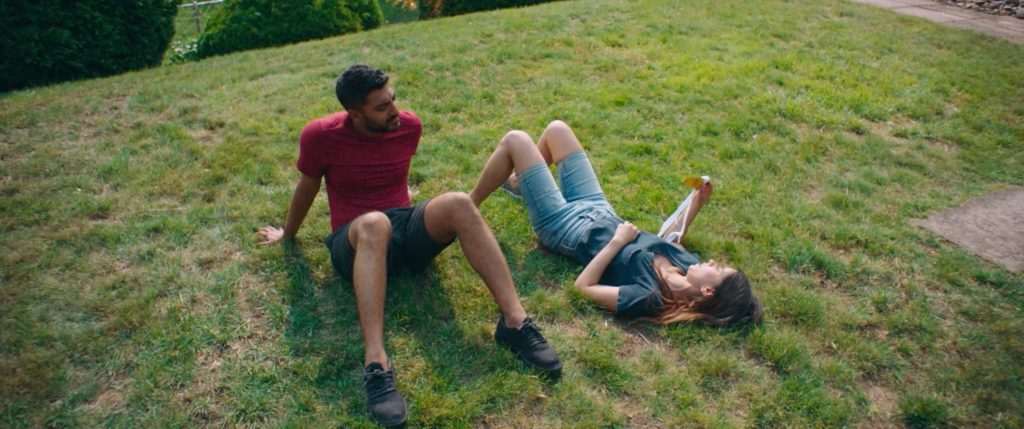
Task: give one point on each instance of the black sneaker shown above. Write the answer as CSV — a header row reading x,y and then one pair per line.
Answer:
x,y
385,403
529,346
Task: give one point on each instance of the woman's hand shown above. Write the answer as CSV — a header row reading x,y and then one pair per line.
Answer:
x,y
703,194
587,281
625,233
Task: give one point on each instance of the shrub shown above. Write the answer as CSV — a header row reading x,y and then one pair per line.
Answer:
x,y
183,51
251,24
368,11
47,41
435,8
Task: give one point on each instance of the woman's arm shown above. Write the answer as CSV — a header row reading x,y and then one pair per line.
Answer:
x,y
586,282
703,193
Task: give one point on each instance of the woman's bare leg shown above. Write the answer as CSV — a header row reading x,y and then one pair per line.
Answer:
x,y
557,142
515,151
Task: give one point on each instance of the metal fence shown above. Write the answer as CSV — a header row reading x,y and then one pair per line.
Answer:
x,y
197,15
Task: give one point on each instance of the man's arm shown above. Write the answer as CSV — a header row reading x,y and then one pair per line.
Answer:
x,y
302,200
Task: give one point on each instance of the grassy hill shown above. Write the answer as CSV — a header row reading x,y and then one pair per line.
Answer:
x,y
134,294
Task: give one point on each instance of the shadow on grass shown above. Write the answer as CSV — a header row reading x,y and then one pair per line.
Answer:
x,y
324,325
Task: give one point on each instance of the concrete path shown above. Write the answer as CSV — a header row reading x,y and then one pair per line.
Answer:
x,y
991,226
1006,27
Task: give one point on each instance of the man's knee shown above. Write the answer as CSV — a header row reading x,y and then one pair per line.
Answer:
x,y
370,228
459,206
457,202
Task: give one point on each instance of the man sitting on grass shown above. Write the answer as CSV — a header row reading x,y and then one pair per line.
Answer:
x,y
364,153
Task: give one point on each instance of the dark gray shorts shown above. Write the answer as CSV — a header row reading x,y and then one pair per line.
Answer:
x,y
411,248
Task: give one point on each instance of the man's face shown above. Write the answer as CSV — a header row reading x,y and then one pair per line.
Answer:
x,y
379,113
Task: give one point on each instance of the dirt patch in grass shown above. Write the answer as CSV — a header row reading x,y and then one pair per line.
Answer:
x,y
109,399
637,417
883,408
573,330
201,396
513,420
112,397
874,331
634,339
885,130
112,109
901,131
249,295
942,145
205,136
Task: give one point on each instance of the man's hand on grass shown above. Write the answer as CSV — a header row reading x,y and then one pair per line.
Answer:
x,y
270,235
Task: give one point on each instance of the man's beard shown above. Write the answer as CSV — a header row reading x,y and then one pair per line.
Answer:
x,y
385,127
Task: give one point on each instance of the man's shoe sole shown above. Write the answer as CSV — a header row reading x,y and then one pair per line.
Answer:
x,y
400,423
550,372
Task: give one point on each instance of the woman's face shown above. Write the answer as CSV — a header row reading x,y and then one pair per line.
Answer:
x,y
700,280
708,275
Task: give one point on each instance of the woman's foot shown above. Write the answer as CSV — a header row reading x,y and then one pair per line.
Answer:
x,y
511,186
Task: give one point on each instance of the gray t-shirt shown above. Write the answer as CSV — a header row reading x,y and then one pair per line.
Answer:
x,y
632,269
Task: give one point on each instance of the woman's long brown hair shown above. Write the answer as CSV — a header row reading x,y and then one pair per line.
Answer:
x,y
733,303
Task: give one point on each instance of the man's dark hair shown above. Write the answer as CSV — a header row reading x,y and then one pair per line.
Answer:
x,y
356,83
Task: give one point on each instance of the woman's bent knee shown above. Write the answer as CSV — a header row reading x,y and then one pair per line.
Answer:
x,y
516,137
558,125
519,147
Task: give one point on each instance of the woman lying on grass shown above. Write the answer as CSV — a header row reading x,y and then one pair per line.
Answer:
x,y
630,272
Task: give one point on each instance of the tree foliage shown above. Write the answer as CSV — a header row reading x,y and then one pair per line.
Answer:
x,y
250,24
49,41
436,8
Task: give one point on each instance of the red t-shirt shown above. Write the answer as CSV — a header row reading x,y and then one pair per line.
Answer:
x,y
363,173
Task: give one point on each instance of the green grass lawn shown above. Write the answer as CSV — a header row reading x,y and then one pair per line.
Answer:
x,y
133,293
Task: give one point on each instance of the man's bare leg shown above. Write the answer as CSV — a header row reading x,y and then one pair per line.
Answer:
x,y
370,235
454,214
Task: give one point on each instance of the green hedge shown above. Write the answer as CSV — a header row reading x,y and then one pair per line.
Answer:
x,y
250,24
435,8
47,41
368,11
